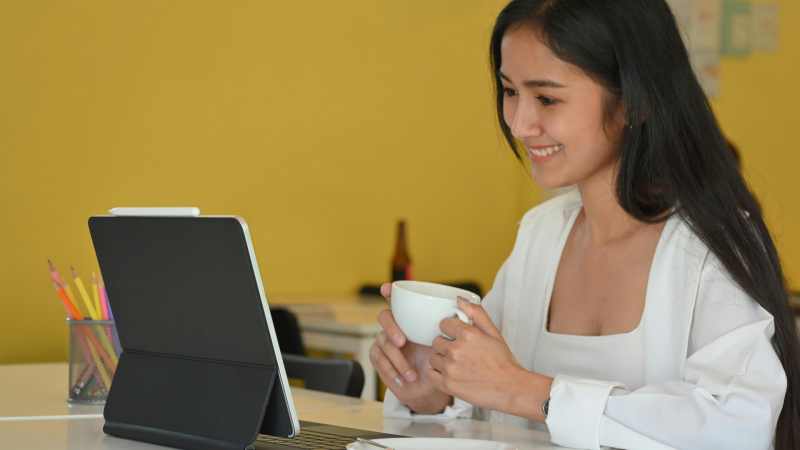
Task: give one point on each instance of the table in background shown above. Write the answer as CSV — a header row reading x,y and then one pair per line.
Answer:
x,y
339,324
35,415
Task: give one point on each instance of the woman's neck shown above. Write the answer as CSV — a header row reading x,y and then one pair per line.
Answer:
x,y
605,220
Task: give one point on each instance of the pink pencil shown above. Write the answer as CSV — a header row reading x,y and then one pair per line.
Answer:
x,y
84,378
54,273
108,305
103,298
101,288
78,331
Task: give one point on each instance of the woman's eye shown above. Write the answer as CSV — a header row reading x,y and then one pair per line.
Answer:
x,y
546,101
509,92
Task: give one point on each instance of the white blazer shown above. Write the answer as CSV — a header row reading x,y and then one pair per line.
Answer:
x,y
713,379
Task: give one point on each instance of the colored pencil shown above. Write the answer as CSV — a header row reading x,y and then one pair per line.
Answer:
x,y
71,295
115,339
96,297
59,282
101,287
108,304
84,295
53,273
88,353
102,386
90,383
69,292
72,313
80,383
97,284
68,304
100,367
94,387
93,350
109,358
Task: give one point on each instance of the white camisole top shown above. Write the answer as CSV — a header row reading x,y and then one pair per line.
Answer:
x,y
617,357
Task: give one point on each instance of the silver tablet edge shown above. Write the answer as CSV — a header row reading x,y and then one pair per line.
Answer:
x,y
282,372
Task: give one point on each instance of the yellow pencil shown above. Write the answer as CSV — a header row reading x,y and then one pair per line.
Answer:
x,y
82,290
107,345
68,290
96,294
71,295
100,367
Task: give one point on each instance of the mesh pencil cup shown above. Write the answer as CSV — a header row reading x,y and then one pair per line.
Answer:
x,y
93,355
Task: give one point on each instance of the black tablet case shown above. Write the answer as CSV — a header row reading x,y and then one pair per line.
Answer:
x,y
197,369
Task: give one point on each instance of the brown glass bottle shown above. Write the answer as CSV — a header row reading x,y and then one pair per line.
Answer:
x,y
401,262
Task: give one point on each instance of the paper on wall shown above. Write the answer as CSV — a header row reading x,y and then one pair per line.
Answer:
x,y
706,67
765,26
705,20
736,25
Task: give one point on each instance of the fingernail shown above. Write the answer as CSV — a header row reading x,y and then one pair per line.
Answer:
x,y
463,301
410,375
397,339
398,381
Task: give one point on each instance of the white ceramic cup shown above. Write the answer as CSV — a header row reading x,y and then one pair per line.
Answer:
x,y
418,307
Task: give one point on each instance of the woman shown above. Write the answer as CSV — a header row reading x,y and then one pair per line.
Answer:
x,y
646,310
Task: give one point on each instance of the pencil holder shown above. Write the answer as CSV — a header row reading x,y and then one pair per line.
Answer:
x,y
93,355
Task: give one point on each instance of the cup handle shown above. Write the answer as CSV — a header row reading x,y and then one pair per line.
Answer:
x,y
460,315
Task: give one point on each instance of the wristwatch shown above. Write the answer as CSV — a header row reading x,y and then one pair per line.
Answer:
x,y
546,408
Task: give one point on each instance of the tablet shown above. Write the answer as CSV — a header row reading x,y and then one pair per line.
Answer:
x,y
200,366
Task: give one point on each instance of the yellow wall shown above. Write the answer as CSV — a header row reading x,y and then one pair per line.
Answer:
x,y
759,110
320,123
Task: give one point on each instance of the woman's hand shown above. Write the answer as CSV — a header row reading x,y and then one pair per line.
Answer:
x,y
478,367
399,363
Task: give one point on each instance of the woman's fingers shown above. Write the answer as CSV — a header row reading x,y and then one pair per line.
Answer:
x,y
382,364
386,319
396,357
479,318
440,345
435,379
386,292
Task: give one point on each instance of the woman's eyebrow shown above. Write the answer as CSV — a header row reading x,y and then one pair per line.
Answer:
x,y
534,83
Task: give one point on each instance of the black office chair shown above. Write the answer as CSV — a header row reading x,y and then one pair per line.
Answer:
x,y
335,376
287,332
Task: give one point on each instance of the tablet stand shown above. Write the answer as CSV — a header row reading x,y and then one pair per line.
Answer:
x,y
191,404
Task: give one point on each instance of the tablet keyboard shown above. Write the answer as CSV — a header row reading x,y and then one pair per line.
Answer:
x,y
310,440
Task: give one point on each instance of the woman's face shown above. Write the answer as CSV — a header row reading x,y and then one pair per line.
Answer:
x,y
556,112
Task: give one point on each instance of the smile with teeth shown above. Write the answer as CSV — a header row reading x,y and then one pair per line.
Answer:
x,y
547,150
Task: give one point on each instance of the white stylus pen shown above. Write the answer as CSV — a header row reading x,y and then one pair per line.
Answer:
x,y
159,212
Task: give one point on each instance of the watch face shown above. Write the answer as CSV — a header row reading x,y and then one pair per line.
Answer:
x,y
546,408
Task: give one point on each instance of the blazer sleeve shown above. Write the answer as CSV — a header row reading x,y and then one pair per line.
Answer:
x,y
730,396
492,303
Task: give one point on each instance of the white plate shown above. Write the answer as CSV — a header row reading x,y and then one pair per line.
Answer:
x,y
432,444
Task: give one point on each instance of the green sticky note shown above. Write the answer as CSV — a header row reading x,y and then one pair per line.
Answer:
x,y
736,28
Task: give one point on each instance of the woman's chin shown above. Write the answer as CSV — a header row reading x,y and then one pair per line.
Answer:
x,y
546,182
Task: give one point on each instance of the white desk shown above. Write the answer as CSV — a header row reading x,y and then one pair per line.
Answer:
x,y
34,415
342,324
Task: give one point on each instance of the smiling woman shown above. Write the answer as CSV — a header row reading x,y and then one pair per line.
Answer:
x,y
542,92
648,309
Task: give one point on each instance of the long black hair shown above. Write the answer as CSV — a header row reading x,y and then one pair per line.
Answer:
x,y
673,153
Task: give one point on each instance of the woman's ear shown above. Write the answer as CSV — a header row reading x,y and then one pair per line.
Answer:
x,y
615,115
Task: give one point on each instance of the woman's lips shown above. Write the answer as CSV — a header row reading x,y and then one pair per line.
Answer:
x,y
542,154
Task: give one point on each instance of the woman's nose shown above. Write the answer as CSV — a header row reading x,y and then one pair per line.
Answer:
x,y
526,121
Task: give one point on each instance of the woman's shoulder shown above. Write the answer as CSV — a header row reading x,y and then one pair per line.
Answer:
x,y
720,304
